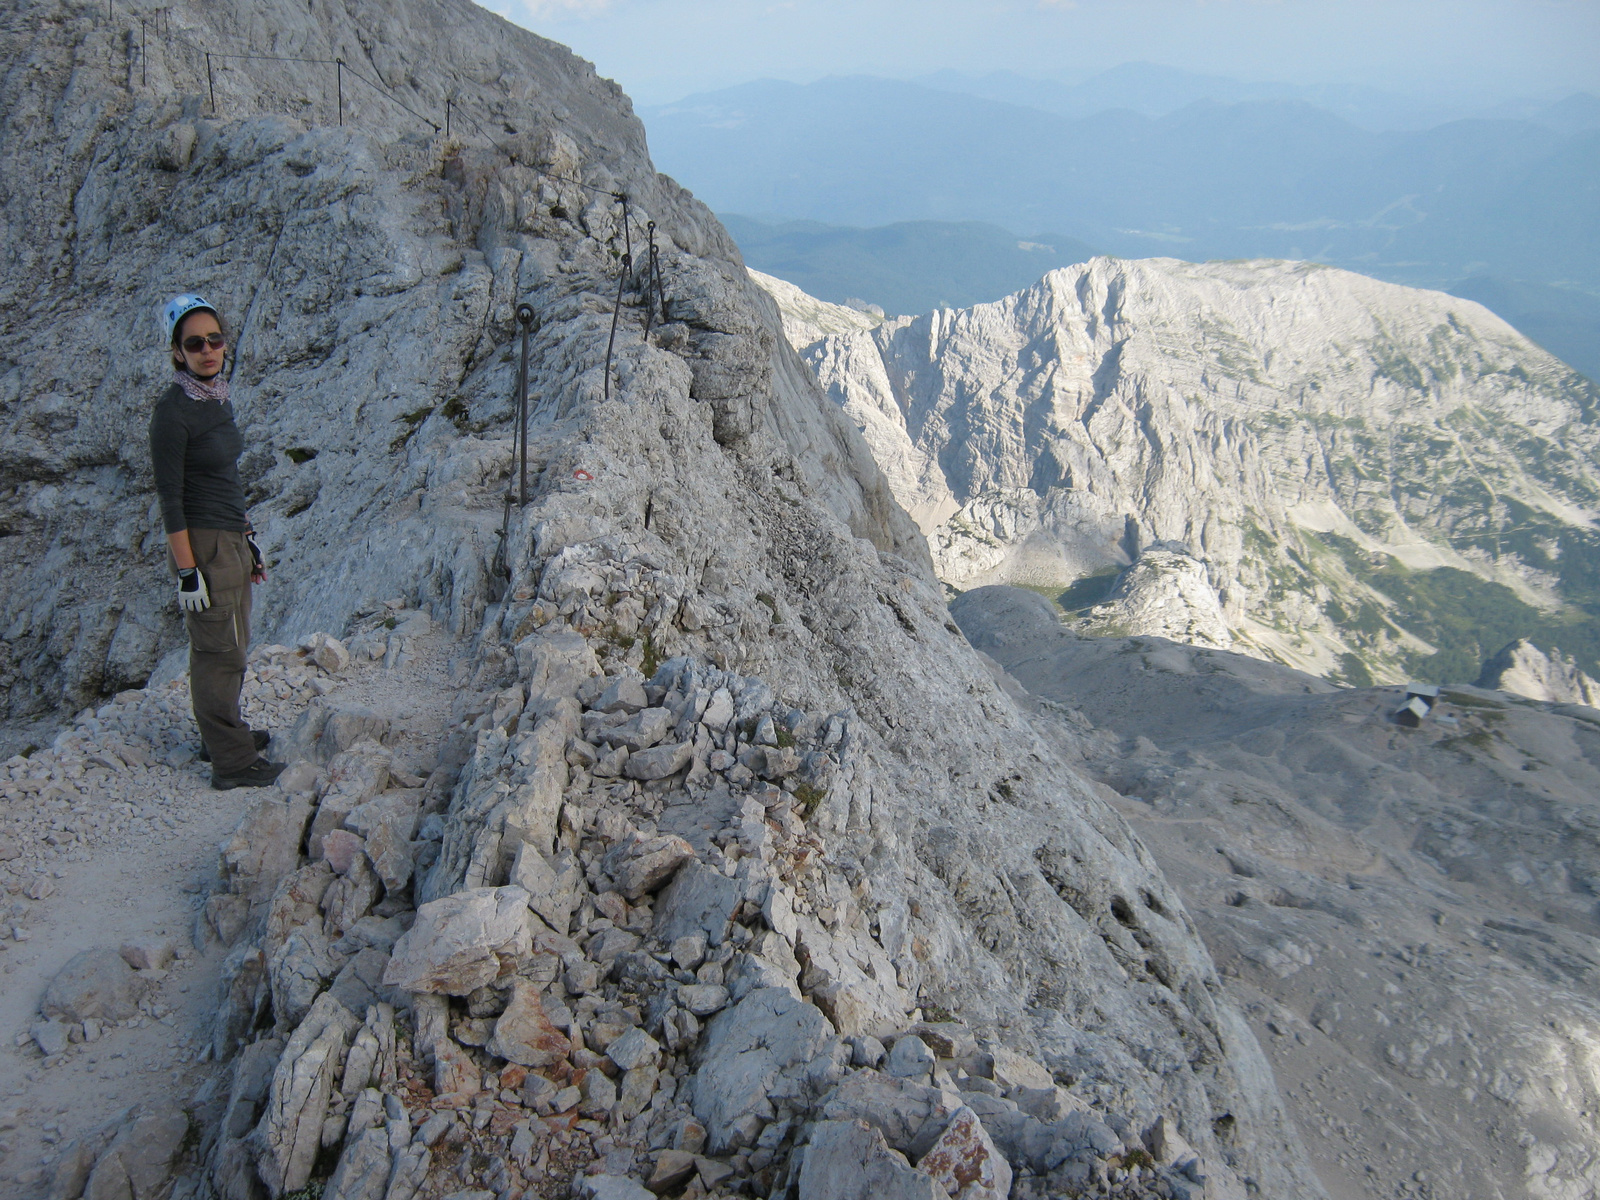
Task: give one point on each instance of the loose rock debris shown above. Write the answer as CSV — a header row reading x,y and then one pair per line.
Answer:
x,y
588,954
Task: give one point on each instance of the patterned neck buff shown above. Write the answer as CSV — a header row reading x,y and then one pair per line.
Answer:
x,y
215,388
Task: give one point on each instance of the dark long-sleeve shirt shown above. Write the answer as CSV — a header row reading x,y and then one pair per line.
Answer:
x,y
195,448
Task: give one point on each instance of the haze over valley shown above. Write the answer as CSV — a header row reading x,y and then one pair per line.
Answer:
x,y
1495,202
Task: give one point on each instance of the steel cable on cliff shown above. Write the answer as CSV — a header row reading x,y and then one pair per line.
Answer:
x,y
654,288
452,104
616,315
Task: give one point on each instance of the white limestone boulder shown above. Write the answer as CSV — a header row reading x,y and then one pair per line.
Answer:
x,y
462,941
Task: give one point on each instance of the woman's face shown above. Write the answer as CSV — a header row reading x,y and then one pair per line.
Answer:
x,y
205,361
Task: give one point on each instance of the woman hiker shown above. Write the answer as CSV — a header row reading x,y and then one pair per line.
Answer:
x,y
195,448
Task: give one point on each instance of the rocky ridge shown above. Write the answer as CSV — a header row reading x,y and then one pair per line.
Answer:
x,y
112,831
1309,438
1526,670
492,975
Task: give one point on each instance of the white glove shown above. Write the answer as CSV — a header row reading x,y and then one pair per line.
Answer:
x,y
192,594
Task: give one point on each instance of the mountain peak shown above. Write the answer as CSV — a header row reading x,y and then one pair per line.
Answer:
x,y
1317,447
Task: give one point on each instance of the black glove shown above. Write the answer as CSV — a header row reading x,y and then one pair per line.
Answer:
x,y
258,565
192,593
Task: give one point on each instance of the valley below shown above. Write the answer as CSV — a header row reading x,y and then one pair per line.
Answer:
x,y
1406,916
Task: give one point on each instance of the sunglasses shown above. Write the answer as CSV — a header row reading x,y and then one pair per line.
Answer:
x,y
196,343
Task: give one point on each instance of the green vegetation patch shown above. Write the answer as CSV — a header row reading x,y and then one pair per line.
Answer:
x,y
455,411
411,422
1353,672
1466,618
1081,594
809,797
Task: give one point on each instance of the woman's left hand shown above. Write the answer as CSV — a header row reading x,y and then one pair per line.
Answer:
x,y
258,564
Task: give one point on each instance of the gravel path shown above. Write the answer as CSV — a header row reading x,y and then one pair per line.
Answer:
x,y
109,837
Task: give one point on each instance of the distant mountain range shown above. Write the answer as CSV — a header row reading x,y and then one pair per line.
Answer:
x,y
909,267
1275,178
917,266
1565,321
1154,90
917,195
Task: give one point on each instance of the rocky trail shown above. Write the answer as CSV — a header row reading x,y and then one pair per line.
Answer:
x,y
111,842
565,1077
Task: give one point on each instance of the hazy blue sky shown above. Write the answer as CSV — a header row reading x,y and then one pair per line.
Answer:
x,y
660,50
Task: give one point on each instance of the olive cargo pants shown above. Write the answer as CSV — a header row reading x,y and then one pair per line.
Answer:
x,y
218,639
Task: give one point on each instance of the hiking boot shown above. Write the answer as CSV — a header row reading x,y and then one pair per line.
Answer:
x,y
260,773
261,736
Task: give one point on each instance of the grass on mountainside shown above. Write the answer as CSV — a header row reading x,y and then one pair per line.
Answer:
x,y
1352,671
1468,619
1465,618
1081,594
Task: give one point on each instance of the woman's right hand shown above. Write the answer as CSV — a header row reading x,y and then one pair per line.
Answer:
x,y
258,562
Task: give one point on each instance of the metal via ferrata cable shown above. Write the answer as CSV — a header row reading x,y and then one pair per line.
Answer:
x,y
502,562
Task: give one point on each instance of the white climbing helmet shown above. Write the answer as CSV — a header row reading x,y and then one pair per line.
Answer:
x,y
179,307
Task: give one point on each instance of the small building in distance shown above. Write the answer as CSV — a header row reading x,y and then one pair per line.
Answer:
x,y
1410,713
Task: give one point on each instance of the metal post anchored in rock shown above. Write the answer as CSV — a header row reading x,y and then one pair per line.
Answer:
x,y
525,315
616,313
652,272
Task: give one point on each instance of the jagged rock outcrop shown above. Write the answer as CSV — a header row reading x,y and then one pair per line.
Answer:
x,y
370,271
706,674
1166,593
1304,434
1526,670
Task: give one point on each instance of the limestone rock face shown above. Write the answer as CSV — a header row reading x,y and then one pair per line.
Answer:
x,y
130,1156
290,1133
1239,413
848,1160
523,1034
372,254
94,983
1525,669
747,1050
1166,594
965,1157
